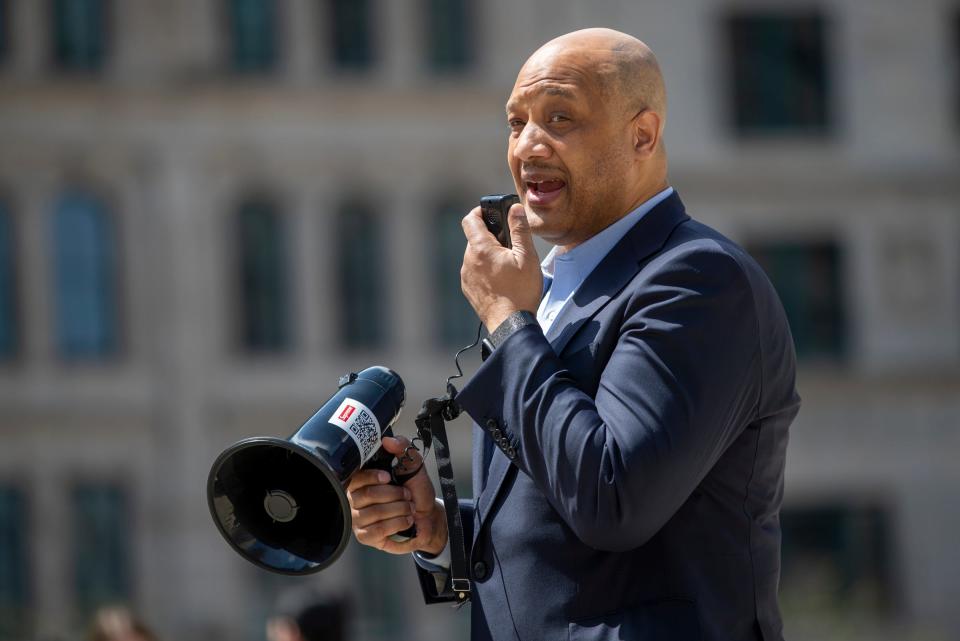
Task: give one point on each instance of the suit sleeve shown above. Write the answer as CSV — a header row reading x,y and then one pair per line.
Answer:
x,y
435,581
671,397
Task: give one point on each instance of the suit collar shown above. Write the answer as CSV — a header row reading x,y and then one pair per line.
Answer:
x,y
616,269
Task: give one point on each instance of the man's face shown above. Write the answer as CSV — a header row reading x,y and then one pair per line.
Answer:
x,y
569,148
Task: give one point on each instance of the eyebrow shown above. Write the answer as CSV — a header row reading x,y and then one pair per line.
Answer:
x,y
559,92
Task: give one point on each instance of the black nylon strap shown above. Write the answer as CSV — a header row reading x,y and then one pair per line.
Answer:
x,y
431,419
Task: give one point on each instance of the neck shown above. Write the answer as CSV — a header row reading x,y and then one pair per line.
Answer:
x,y
644,193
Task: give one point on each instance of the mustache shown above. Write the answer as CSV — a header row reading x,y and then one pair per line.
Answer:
x,y
536,166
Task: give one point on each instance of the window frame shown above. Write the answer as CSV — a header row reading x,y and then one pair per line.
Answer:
x,y
25,625
116,303
231,44
790,18
471,39
241,332
837,350
381,293
128,537
370,34
16,303
105,46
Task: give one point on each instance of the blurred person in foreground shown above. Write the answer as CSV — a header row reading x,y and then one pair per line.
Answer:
x,y
305,617
631,421
117,623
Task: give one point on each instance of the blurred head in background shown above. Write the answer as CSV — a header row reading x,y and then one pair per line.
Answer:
x,y
118,623
309,620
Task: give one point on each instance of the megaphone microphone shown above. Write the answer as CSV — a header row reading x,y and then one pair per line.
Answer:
x,y
281,503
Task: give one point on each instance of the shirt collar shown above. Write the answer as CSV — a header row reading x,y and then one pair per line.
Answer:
x,y
574,266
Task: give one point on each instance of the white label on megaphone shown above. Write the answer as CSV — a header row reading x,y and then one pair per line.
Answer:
x,y
361,424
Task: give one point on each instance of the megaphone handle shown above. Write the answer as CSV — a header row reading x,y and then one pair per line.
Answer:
x,y
399,479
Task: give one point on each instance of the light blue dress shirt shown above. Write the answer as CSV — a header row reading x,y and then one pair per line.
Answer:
x,y
564,272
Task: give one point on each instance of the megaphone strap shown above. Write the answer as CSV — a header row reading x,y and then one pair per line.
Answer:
x,y
431,421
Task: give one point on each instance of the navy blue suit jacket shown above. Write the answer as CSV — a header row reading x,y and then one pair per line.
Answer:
x,y
628,466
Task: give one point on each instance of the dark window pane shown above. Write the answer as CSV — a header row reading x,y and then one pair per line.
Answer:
x,y
351,38
779,73
14,583
8,293
836,558
101,546
359,249
79,30
450,37
808,279
85,277
264,313
956,61
457,321
4,30
253,32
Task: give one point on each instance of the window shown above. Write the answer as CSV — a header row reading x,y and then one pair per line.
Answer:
x,y
836,558
14,585
360,254
8,293
779,70
79,34
4,30
262,270
351,36
85,278
956,61
808,279
253,35
457,321
101,546
450,38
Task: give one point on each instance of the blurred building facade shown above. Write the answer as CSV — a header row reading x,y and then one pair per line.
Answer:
x,y
211,209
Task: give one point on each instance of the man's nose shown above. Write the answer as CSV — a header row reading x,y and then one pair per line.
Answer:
x,y
532,143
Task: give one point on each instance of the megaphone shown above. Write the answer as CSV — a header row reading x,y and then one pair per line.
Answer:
x,y
281,503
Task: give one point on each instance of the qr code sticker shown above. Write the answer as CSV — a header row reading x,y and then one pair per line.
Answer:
x,y
361,424
364,427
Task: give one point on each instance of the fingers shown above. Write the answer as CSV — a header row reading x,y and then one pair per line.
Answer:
x,y
376,534
362,478
478,236
368,495
520,235
381,512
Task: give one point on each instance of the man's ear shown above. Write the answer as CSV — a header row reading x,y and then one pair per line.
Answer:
x,y
646,132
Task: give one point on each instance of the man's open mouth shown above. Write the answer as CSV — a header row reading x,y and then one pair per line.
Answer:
x,y
542,192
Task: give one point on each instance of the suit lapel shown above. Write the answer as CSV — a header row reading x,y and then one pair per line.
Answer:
x,y
601,286
616,270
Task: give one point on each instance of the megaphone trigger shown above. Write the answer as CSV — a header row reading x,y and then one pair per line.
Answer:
x,y
399,472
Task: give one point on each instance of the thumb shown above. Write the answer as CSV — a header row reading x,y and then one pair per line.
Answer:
x,y
395,445
520,235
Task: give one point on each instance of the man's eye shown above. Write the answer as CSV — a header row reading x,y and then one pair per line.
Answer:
x,y
558,118
515,124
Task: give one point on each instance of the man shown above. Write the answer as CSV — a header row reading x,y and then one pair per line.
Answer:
x,y
631,421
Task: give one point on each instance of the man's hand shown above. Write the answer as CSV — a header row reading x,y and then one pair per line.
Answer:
x,y
498,281
379,509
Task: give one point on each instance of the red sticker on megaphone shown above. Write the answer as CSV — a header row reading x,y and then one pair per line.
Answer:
x,y
361,424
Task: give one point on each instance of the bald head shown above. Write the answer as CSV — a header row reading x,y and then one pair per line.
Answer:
x,y
623,66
